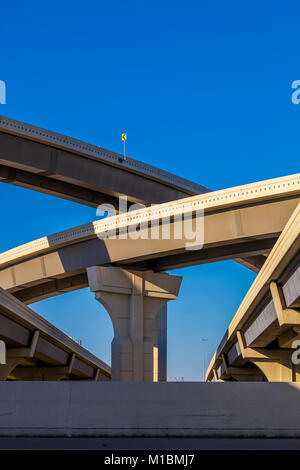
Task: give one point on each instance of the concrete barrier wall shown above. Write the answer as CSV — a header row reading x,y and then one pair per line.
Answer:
x,y
149,409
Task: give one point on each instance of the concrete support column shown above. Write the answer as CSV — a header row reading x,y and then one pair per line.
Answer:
x,y
133,300
279,371
160,344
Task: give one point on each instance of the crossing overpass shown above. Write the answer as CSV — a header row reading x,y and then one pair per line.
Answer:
x,y
48,162
242,222
127,274
37,350
258,344
52,163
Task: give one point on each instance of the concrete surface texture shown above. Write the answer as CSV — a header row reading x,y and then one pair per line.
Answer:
x,y
114,409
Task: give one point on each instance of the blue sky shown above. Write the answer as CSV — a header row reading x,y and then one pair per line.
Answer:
x,y
203,90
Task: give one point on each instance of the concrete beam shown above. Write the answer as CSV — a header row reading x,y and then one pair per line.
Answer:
x,y
30,340
69,254
81,172
286,316
291,286
25,352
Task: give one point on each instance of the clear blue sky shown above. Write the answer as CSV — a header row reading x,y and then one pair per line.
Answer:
x,y
203,90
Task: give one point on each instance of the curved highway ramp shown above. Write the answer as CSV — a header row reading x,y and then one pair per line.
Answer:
x,y
37,350
262,340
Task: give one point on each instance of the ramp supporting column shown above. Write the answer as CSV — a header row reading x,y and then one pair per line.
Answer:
x,y
136,302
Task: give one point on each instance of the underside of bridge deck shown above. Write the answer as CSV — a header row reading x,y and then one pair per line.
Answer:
x,y
263,340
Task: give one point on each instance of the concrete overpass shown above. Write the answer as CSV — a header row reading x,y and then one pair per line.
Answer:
x,y
59,165
257,225
242,222
37,350
238,222
258,343
55,164
48,162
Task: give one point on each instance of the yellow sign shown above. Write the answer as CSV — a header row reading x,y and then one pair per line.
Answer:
x,y
124,136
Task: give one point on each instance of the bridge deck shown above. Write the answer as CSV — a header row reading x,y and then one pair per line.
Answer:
x,y
36,348
268,320
48,162
242,222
